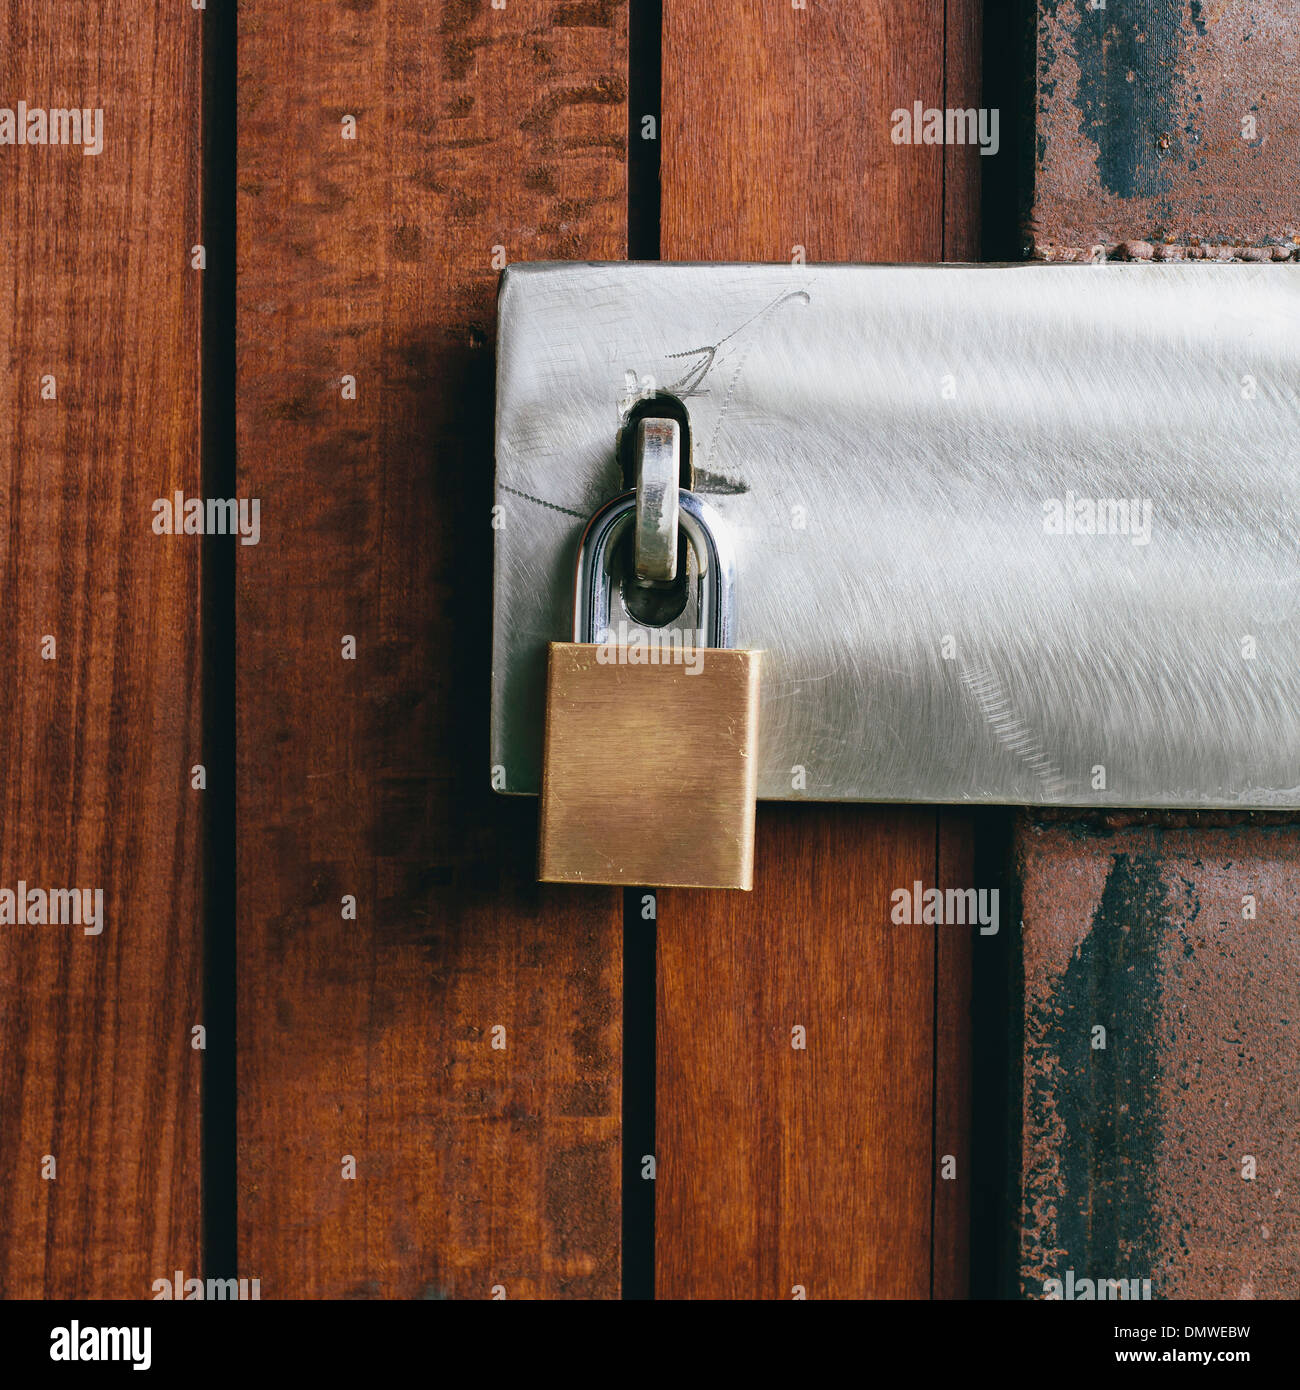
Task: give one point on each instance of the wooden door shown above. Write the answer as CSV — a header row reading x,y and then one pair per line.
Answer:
x,y
333,1036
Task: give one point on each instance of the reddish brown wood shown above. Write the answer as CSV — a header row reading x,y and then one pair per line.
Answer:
x,y
96,745
963,164
781,1168
950,1240
776,132
476,129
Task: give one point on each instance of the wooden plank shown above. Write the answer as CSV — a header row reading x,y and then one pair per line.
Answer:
x,y
776,132
784,1166
953,1157
780,1168
373,259
964,165
96,1064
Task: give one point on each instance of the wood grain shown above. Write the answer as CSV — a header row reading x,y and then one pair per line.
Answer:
x,y
776,131
96,745
951,1237
964,165
480,133
780,1168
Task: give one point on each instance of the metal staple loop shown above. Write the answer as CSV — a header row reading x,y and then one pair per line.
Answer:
x,y
658,467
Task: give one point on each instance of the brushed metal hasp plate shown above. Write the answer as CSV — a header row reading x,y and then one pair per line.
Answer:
x,y
1019,534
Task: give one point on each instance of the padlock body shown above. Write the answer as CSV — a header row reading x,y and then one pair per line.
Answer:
x,y
649,768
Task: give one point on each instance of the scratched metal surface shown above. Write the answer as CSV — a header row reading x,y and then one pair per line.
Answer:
x,y
884,444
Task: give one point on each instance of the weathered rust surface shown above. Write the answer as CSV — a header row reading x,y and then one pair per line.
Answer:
x,y
1135,1154
1168,129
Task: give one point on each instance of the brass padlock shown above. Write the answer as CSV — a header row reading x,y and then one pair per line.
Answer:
x,y
650,770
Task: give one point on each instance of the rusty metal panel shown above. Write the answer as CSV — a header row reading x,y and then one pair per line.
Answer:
x,y
1167,129
1165,1147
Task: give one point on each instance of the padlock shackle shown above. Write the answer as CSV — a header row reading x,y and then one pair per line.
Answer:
x,y
707,535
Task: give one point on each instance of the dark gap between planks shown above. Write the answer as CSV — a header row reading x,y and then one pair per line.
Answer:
x,y
220,1178
645,68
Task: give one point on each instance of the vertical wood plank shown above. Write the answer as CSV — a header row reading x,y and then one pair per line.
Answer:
x,y
99,416
784,1166
777,131
963,165
480,133
951,1237
781,1168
